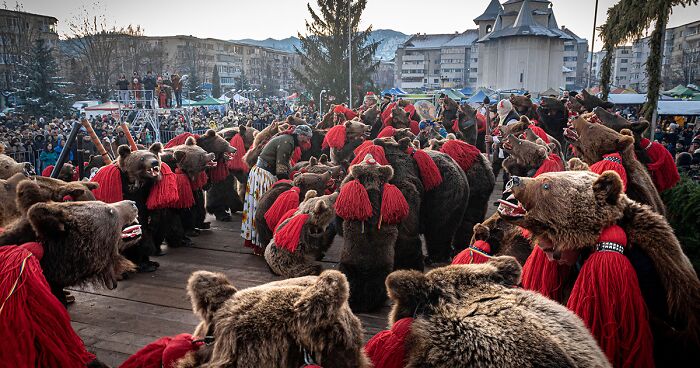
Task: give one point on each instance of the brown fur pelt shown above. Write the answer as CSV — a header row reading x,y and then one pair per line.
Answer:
x,y
9,167
271,325
264,136
474,316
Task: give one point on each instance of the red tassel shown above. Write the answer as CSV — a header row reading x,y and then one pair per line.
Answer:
x,y
542,275
110,180
608,299
184,191
34,326
462,152
286,201
411,110
612,161
287,234
429,172
362,147
296,155
479,252
236,162
540,133
200,181
353,202
415,127
180,139
47,171
164,192
386,114
286,215
388,131
662,168
455,125
335,138
164,352
553,163
387,349
376,151
219,173
394,206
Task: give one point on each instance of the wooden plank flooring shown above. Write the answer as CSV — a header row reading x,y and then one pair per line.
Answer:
x,y
116,323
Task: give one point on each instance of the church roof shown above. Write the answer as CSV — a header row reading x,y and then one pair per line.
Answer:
x,y
491,11
526,25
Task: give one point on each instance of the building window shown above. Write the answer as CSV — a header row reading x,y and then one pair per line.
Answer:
x,y
436,80
436,71
623,69
488,28
569,48
472,80
570,79
625,52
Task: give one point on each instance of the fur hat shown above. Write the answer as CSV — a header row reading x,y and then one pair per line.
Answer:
x,y
303,130
504,108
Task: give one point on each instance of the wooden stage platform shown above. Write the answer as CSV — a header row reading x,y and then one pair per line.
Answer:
x,y
116,323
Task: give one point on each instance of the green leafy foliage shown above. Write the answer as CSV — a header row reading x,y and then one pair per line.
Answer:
x,y
683,213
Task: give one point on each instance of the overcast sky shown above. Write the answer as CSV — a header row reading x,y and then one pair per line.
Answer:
x,y
260,19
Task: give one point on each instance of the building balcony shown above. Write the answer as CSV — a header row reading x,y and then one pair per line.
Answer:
x,y
412,75
693,37
413,58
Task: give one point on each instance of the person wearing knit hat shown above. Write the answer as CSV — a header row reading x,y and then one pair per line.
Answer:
x,y
506,116
386,100
274,163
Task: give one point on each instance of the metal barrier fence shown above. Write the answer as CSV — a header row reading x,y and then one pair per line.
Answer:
x,y
167,135
29,156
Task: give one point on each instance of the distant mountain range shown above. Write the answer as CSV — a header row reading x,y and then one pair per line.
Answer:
x,y
389,40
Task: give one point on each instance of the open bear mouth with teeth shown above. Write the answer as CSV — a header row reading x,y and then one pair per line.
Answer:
x,y
511,207
507,146
154,171
131,231
571,134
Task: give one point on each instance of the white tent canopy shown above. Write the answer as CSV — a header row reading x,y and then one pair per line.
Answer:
x,y
239,98
679,108
633,98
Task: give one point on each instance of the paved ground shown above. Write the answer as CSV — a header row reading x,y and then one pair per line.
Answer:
x,y
116,323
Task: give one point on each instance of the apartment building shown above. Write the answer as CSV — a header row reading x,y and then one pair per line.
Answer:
x,y
575,61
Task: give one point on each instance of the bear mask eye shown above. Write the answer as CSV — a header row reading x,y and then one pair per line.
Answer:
x,y
546,186
111,211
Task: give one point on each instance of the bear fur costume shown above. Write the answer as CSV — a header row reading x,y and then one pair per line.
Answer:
x,y
139,171
525,129
475,316
274,324
68,172
305,182
481,183
79,247
523,105
617,123
18,198
370,250
321,165
372,118
264,136
553,117
341,153
9,167
591,141
312,243
567,211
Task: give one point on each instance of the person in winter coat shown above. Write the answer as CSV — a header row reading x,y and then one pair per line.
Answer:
x,y
48,156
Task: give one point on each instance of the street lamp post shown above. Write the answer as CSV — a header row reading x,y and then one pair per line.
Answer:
x,y
349,55
590,64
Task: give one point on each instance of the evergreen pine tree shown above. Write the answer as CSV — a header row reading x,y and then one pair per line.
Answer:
x,y
39,84
242,82
324,51
215,83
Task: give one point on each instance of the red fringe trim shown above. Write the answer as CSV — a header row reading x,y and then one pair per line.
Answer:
x,y
388,131
236,162
286,201
387,349
47,171
479,252
540,133
335,138
180,139
605,165
394,206
386,114
110,180
608,299
184,191
353,202
376,151
35,327
414,126
429,172
164,192
219,173
553,163
662,167
287,235
361,147
542,275
462,152
200,181
163,352
296,156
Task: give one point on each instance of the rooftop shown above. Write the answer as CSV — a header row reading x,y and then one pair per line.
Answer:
x,y
526,25
434,41
491,11
5,11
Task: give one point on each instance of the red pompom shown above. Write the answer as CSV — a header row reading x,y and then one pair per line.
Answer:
x,y
388,131
386,114
540,133
219,172
387,349
462,152
552,163
612,161
34,326
296,156
376,151
429,172
47,171
180,139
110,180
662,168
288,200
164,192
394,206
542,275
480,122
362,147
236,162
164,352
200,181
414,126
479,252
335,137
608,299
184,191
288,233
353,202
